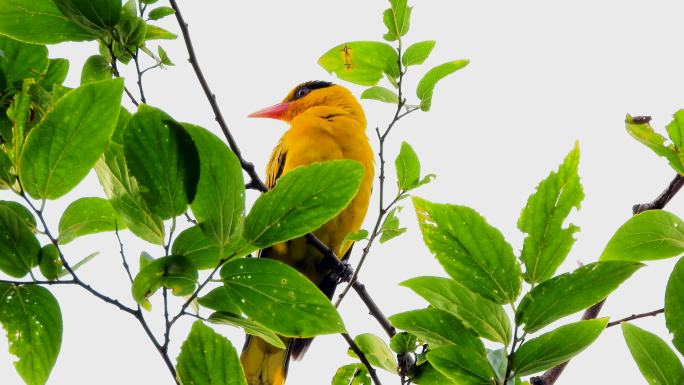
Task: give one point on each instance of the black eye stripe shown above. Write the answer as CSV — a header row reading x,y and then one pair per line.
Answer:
x,y
304,88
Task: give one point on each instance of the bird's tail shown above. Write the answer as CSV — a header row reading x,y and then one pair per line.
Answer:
x,y
263,363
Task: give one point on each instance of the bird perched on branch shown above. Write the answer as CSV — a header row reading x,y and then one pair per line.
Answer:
x,y
326,123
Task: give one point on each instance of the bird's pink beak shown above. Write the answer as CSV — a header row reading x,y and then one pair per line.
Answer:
x,y
274,112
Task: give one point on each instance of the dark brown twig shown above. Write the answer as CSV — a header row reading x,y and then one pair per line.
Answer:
x,y
551,376
636,316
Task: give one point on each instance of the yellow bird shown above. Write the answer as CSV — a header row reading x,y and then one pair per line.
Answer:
x,y
326,123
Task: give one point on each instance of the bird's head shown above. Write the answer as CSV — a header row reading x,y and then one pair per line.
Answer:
x,y
309,95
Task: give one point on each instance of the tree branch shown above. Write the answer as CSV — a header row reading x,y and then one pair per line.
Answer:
x,y
636,316
355,348
551,376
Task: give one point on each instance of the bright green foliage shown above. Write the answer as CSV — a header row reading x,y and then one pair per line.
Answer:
x,y
361,62
642,131
193,244
7,176
376,351
250,327
653,234
163,159
56,73
164,57
302,201
93,16
19,247
426,374
280,298
498,361
50,263
123,190
403,342
408,169
156,33
556,346
219,204
218,299
426,86
657,362
462,365
20,61
547,243
380,93
357,235
352,374
48,25
674,305
397,20
417,53
96,68
207,358
33,322
571,292
436,327
390,227
470,250
160,13
62,149
88,216
486,318
174,272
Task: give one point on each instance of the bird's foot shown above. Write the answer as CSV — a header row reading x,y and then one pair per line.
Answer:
x,y
343,272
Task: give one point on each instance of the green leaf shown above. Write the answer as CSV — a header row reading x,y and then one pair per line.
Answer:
x,y
390,227
571,292
160,12
91,15
302,201
357,235
162,157
642,131
361,62
50,263
62,149
657,362
380,93
56,73
7,177
87,216
426,86
417,53
249,326
487,319
96,68
280,298
547,243
674,305
219,204
462,365
556,346
377,352
470,250
123,190
397,20
21,61
498,361
426,374
80,263
652,234
207,358
408,168
174,272
48,25
33,322
164,57
19,248
145,259
24,214
352,374
156,33
218,299
193,244
404,342
436,327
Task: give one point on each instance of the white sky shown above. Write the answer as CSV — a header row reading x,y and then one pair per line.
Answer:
x,y
542,75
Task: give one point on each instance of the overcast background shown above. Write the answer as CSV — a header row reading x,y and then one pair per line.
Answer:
x,y
542,75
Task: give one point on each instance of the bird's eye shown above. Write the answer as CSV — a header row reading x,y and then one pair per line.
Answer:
x,y
302,92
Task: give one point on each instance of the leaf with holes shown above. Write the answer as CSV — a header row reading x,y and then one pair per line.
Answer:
x,y
361,62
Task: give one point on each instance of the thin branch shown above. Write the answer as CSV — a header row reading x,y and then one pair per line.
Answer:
x,y
121,251
167,324
115,71
373,308
167,246
255,181
636,316
24,283
195,294
355,348
551,376
140,74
